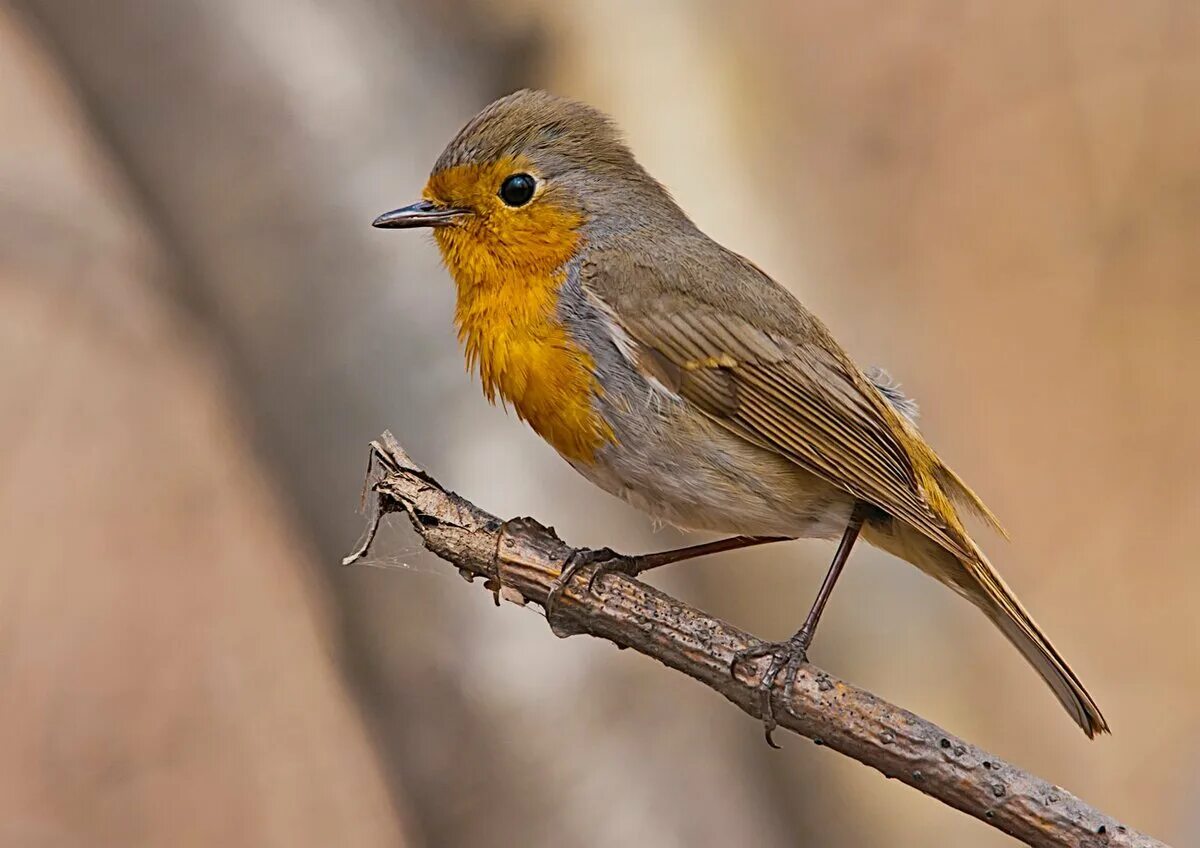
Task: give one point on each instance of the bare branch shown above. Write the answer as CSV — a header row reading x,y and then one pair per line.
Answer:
x,y
520,559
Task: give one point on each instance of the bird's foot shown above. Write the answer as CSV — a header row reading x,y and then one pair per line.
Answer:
x,y
605,559
630,566
785,656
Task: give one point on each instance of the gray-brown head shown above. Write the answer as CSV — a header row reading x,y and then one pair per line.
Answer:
x,y
522,178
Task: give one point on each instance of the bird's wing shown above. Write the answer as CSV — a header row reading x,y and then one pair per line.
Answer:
x,y
747,354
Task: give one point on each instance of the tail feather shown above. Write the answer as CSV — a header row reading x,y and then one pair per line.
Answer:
x,y
979,583
1000,605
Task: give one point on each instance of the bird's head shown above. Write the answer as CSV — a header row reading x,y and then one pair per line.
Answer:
x,y
515,189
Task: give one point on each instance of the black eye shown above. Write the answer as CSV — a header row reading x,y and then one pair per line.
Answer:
x,y
517,190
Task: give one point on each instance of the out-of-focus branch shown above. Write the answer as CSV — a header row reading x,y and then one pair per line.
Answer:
x,y
520,560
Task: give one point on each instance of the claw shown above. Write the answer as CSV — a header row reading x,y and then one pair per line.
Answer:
x,y
617,565
785,656
579,558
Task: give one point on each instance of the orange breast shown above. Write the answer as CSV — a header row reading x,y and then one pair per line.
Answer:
x,y
526,357
507,266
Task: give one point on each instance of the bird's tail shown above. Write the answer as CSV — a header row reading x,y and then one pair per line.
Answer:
x,y
979,583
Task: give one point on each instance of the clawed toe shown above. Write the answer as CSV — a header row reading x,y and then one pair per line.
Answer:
x,y
786,657
617,565
579,558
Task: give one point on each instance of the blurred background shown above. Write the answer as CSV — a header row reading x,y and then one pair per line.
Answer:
x,y
199,333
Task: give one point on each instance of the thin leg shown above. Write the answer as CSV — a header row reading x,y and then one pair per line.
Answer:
x,y
607,560
803,636
646,562
790,655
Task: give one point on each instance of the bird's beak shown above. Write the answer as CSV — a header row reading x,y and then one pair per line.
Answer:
x,y
423,213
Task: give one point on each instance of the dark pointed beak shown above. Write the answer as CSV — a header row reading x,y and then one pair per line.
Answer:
x,y
423,213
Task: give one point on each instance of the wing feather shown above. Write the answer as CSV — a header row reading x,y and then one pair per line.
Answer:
x,y
783,383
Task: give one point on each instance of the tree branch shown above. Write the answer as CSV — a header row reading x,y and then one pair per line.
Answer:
x,y
520,559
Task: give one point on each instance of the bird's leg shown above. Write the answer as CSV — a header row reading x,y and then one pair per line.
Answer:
x,y
790,655
633,566
607,560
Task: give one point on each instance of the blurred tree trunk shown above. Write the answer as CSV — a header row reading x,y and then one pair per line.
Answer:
x,y
163,652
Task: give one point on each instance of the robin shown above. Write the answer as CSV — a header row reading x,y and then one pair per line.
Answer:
x,y
677,375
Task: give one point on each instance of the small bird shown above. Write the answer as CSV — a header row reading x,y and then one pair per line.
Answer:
x,y
675,374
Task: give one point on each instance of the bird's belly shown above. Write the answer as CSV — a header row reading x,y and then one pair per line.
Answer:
x,y
672,462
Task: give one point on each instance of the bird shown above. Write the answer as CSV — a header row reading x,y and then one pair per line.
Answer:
x,y
677,375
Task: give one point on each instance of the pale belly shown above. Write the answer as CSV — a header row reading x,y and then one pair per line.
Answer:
x,y
683,469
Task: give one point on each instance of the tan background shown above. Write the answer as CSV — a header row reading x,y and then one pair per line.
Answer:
x,y
998,201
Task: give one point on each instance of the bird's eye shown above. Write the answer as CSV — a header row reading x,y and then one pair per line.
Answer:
x,y
517,190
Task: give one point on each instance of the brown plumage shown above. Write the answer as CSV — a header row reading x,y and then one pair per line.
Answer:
x,y
718,401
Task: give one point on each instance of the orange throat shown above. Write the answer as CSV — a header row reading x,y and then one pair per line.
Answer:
x,y
508,323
